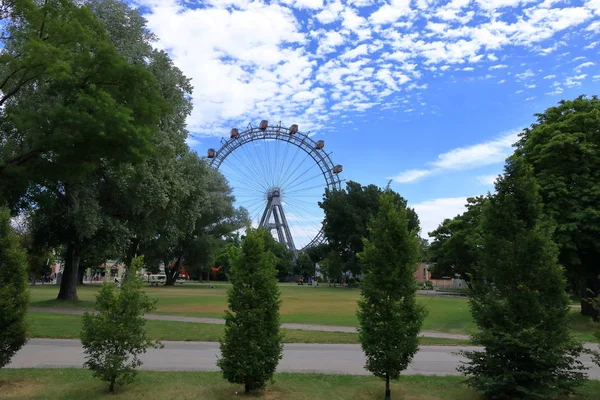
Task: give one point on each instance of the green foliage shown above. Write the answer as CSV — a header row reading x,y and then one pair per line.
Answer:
x,y
115,336
13,292
390,318
333,267
304,266
347,215
227,257
456,245
563,148
252,348
284,257
519,301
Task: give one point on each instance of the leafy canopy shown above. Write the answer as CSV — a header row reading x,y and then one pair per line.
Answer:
x,y
563,149
251,347
519,300
347,215
390,318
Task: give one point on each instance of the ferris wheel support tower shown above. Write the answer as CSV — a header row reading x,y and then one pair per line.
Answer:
x,y
274,209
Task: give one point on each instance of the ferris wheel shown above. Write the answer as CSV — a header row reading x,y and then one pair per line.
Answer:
x,y
279,175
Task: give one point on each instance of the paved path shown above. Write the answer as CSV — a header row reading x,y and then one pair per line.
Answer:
x,y
202,356
218,321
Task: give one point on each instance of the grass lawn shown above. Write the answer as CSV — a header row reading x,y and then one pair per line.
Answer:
x,y
78,384
62,326
300,304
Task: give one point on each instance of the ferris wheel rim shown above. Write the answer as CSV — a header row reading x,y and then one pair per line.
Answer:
x,y
301,140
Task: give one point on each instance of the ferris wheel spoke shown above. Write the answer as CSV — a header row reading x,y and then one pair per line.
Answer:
x,y
246,178
299,176
282,162
304,189
289,171
252,167
312,178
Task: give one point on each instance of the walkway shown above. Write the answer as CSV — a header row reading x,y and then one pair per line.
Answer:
x,y
218,321
202,356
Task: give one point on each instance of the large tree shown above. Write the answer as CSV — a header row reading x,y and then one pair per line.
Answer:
x,y
347,215
563,148
73,108
456,246
519,301
390,318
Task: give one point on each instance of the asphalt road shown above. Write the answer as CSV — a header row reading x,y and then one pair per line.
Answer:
x,y
202,356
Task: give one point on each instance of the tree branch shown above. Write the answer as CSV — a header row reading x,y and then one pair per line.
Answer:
x,y
22,159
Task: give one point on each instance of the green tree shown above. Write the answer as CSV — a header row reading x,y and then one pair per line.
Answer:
x,y
13,293
334,267
563,148
115,335
284,257
251,347
304,266
519,300
456,246
73,108
347,215
390,318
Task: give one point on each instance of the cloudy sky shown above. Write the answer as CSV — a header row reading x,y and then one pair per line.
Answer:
x,y
430,94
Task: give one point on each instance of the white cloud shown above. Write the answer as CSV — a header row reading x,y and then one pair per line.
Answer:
x,y
573,81
584,65
331,13
487,179
433,212
355,52
389,13
525,75
411,175
530,98
464,158
250,57
550,77
491,152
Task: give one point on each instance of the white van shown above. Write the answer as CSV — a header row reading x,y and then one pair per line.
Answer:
x,y
161,279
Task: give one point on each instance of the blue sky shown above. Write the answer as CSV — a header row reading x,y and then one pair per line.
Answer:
x,y
428,93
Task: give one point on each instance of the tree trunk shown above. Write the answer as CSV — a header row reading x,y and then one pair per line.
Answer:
x,y
32,277
134,245
388,394
80,275
111,388
247,388
68,284
173,273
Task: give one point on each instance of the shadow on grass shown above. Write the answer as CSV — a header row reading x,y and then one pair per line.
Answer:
x,y
79,304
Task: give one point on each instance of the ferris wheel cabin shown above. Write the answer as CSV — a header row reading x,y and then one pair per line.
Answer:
x,y
234,133
211,153
337,169
293,129
263,125
320,144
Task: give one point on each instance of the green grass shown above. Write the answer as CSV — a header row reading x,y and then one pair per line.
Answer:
x,y
62,326
300,304
78,384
